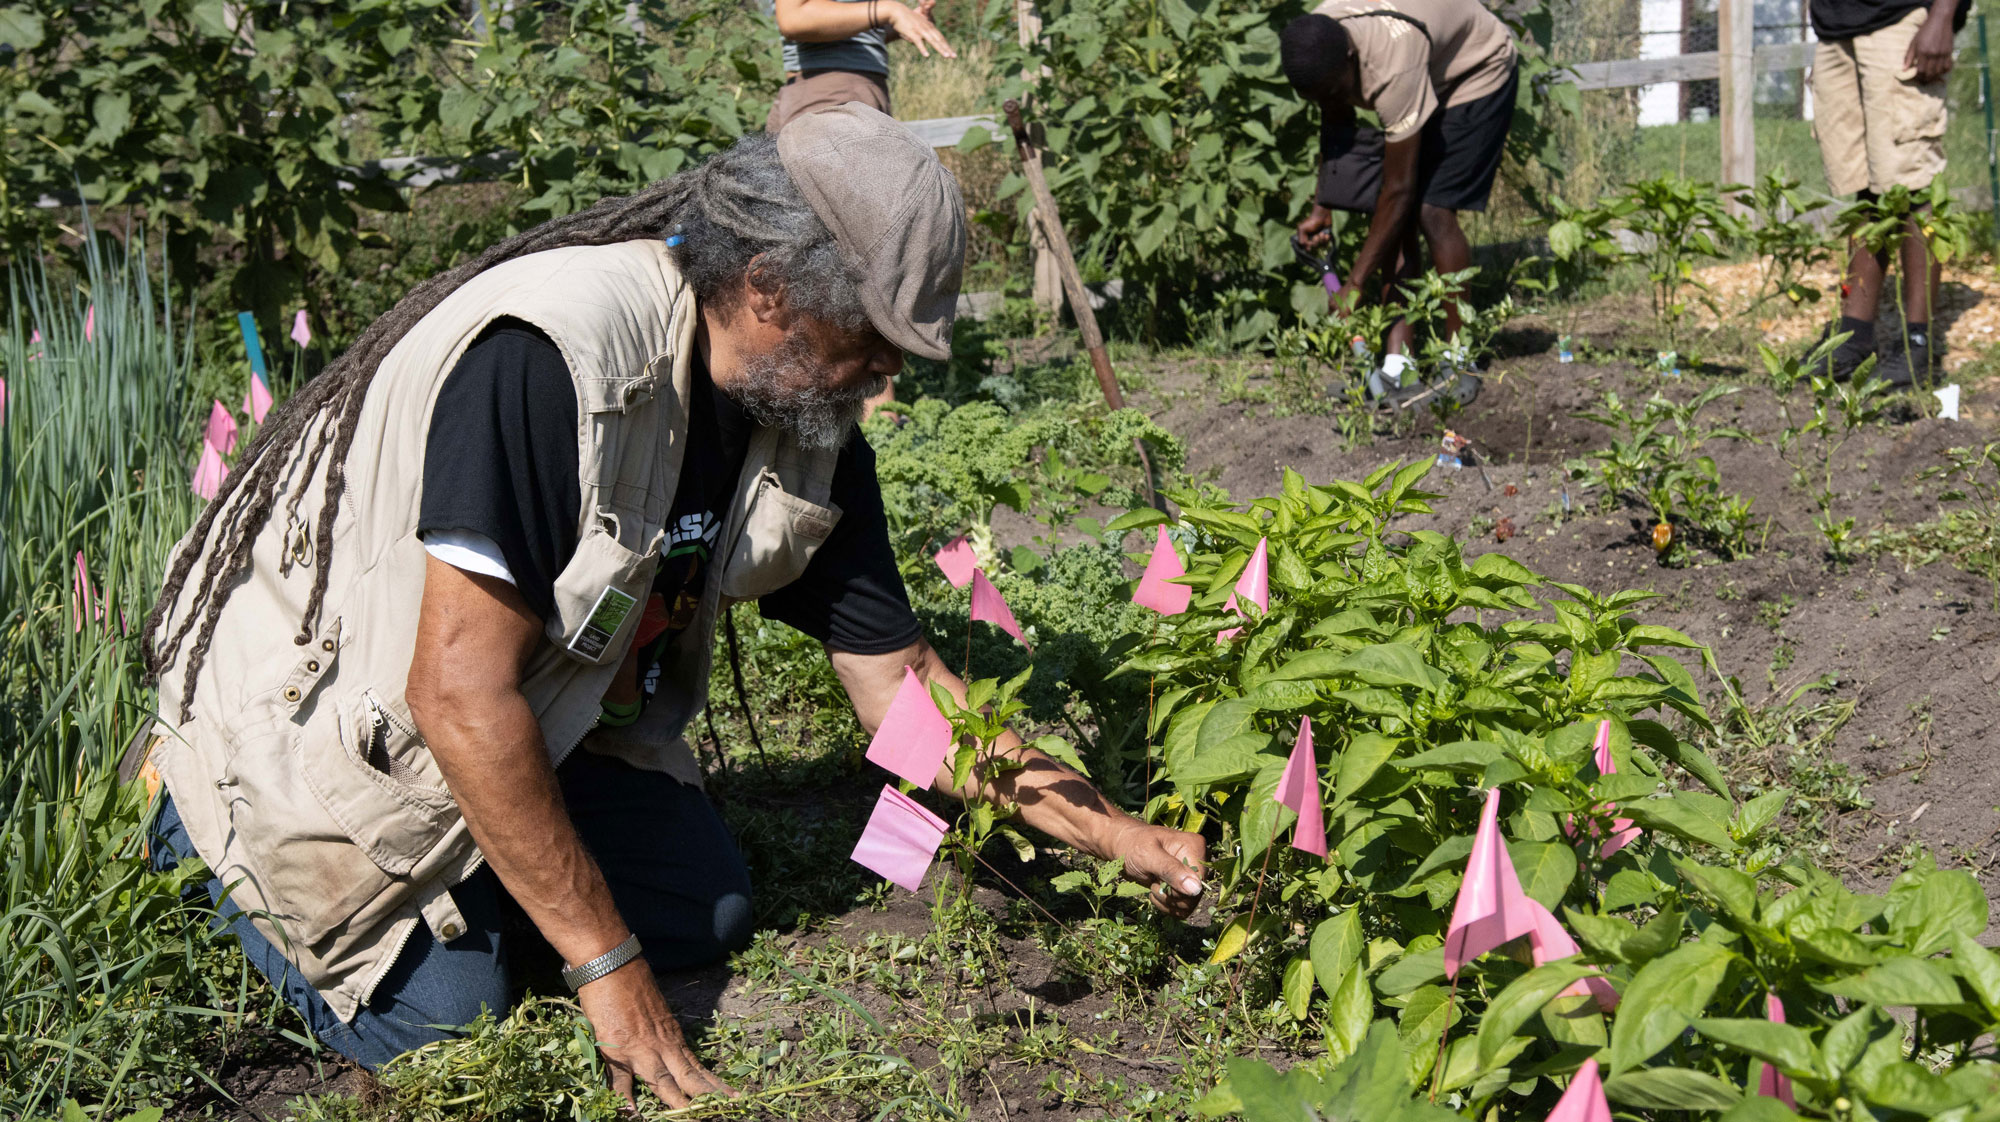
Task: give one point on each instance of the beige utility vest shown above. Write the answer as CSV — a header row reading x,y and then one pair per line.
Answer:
x,y
302,778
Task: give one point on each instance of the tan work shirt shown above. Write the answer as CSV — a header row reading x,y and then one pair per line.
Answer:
x,y
1405,74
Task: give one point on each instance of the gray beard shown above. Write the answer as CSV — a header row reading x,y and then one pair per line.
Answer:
x,y
784,387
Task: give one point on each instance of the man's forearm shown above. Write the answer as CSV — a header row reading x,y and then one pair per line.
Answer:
x,y
1052,797
491,752
1385,233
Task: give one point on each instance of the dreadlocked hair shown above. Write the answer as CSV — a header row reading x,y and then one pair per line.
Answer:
x,y
738,206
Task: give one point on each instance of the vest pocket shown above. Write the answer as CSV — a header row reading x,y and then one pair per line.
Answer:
x,y
350,828
780,534
599,594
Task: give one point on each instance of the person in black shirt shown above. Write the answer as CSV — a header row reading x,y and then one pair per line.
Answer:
x,y
1878,83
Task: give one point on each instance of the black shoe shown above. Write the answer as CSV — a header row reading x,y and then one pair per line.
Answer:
x,y
1906,359
1846,358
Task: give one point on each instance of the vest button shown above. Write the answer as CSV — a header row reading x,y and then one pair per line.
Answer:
x,y
291,693
312,666
326,645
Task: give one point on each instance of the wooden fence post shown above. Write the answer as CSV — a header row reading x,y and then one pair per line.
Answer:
x,y
1048,287
1736,32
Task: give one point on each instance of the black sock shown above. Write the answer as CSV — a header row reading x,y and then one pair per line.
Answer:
x,y
1914,330
1861,331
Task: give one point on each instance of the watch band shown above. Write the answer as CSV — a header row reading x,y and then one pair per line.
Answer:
x,y
576,977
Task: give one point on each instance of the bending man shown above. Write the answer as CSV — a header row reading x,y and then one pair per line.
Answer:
x,y
1440,75
435,644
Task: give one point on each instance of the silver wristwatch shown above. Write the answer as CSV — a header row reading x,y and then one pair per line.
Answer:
x,y
576,977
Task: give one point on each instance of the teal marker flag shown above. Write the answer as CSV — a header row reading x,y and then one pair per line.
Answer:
x,y
247,323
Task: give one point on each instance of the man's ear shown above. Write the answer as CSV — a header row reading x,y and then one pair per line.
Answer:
x,y
763,294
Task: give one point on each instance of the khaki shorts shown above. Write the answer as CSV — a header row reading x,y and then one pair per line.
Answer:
x,y
816,91
1877,128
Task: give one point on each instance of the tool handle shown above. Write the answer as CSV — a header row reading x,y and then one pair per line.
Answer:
x,y
1012,107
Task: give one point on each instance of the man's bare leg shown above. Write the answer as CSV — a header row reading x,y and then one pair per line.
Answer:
x,y
1450,253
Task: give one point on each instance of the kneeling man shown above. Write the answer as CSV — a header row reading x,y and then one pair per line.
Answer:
x,y
436,643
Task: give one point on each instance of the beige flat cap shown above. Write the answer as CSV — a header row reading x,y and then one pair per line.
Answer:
x,y
895,210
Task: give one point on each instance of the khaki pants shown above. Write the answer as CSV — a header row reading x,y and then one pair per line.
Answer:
x,y
816,91
1877,128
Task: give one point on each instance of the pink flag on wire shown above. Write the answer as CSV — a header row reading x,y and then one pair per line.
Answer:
x,y
3,401
957,561
1156,588
221,429
1623,832
1584,1101
210,472
988,605
257,399
89,605
34,337
901,838
1491,907
301,332
89,323
1254,585
1298,788
1775,1084
913,738
1549,942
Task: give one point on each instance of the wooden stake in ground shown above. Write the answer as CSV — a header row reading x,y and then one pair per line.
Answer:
x,y
1072,278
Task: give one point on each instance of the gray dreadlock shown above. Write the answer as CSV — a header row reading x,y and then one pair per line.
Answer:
x,y
738,205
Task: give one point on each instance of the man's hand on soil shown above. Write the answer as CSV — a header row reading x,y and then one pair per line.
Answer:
x,y
641,1040
1930,53
1171,863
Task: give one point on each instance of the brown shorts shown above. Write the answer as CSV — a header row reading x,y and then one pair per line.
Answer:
x,y
1877,128
815,91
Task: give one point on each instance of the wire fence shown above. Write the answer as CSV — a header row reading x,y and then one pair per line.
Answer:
x,y
1637,129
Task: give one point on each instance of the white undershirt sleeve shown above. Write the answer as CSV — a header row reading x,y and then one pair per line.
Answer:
x,y
470,552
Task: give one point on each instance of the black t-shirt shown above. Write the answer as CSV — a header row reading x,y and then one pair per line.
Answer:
x,y
501,462
1846,19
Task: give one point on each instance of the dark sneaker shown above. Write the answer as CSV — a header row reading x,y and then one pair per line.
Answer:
x,y
1846,358
1906,359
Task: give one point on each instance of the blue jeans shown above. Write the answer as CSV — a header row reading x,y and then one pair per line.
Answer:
x,y
673,869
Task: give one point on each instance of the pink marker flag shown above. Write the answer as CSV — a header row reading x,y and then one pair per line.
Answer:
x,y
1491,907
301,332
89,606
1549,942
89,323
257,399
221,429
1254,585
957,562
3,401
1298,788
901,838
1156,589
1623,833
987,605
1584,1101
210,472
34,337
914,737
1775,1084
